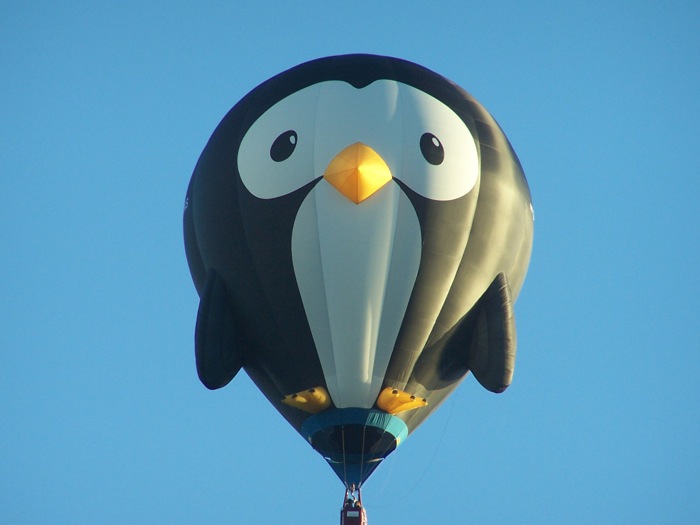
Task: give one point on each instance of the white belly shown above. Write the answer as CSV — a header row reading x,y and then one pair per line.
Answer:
x,y
355,266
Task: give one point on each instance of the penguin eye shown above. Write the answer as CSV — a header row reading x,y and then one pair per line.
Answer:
x,y
432,149
283,146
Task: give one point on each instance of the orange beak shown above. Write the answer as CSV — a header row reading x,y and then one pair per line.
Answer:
x,y
357,172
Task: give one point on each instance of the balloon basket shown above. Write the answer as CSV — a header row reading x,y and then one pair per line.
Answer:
x,y
353,512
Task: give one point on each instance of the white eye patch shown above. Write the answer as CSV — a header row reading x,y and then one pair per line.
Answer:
x,y
424,143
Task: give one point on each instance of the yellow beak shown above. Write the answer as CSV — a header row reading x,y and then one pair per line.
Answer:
x,y
357,172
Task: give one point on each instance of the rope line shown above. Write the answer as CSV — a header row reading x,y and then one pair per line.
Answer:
x,y
345,464
362,455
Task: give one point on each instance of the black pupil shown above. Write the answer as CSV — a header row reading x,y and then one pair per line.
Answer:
x,y
432,149
283,146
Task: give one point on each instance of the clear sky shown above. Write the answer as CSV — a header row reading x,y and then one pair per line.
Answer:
x,y
104,110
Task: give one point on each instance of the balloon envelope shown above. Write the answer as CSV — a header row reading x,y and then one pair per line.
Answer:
x,y
357,228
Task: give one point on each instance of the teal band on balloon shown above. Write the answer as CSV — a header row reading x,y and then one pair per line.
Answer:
x,y
355,416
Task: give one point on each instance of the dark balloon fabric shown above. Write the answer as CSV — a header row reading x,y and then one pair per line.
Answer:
x,y
358,228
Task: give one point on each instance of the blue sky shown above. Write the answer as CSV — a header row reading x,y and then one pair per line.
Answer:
x,y
105,108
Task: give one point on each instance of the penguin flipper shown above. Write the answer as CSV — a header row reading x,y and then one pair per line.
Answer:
x,y
216,347
493,342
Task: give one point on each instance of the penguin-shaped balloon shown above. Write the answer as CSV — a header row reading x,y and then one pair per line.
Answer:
x,y
357,228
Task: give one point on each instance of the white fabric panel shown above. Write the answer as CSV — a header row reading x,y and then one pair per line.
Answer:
x,y
264,177
355,266
346,115
457,174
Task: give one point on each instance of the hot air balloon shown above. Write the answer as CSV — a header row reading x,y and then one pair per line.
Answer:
x,y
357,228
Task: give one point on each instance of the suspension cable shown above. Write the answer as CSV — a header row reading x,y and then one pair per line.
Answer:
x,y
345,465
362,455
